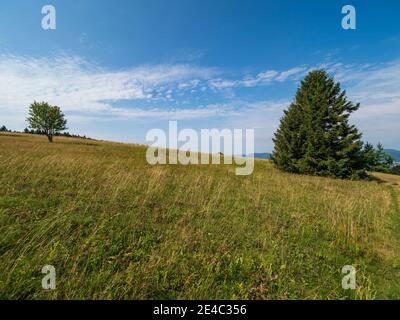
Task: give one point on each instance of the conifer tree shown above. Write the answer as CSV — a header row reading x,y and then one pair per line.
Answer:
x,y
290,139
377,159
315,136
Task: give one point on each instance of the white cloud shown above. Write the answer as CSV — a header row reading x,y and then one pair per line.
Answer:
x,y
80,86
261,79
374,86
291,73
88,91
199,112
189,85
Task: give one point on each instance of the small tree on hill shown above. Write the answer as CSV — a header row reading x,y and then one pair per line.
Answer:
x,y
377,159
385,161
46,118
315,136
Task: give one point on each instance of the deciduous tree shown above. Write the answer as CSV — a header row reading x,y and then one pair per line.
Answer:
x,y
46,118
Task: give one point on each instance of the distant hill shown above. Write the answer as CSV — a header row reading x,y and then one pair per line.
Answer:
x,y
394,153
259,155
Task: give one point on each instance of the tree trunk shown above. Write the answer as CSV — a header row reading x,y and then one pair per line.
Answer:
x,y
50,137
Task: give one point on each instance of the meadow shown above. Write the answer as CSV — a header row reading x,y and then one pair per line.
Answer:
x,y
115,227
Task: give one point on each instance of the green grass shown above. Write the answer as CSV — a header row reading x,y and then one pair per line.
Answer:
x,y
115,227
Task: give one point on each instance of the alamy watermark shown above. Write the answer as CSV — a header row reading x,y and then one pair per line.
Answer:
x,y
49,21
349,280
349,20
49,280
187,147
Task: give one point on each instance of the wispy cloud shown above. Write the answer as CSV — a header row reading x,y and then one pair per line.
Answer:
x,y
86,90
375,86
263,78
78,85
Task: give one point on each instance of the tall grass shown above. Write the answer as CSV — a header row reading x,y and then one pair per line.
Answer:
x,y
115,227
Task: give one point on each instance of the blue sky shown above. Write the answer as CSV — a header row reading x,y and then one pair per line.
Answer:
x,y
121,68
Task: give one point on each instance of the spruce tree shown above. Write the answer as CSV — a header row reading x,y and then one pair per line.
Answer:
x,y
315,136
377,159
290,139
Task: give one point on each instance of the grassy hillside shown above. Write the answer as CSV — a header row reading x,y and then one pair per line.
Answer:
x,y
117,228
